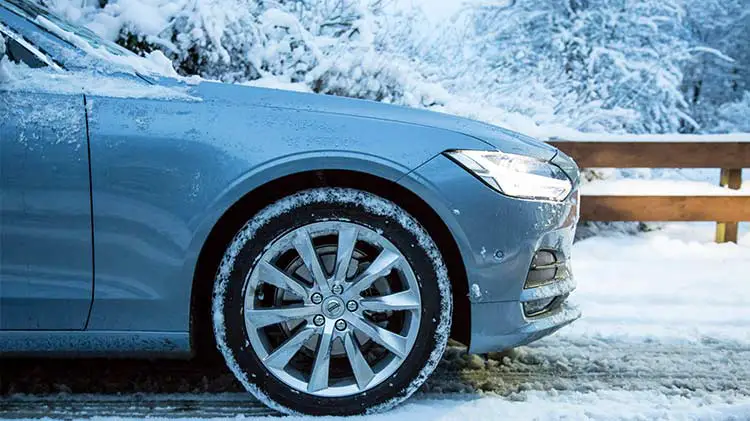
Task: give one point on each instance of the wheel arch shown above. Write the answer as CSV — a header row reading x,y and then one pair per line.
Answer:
x,y
230,222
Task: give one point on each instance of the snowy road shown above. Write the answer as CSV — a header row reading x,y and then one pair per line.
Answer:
x,y
665,335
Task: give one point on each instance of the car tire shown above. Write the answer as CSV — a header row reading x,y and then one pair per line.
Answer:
x,y
277,313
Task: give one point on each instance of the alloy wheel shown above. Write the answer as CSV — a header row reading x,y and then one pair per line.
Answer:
x,y
332,308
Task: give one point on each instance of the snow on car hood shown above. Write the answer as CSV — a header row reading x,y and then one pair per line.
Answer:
x,y
495,137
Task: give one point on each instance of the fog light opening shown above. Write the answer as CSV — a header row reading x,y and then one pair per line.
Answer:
x,y
535,307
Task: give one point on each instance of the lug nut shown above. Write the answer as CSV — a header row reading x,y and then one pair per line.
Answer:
x,y
319,320
316,298
337,289
351,306
340,324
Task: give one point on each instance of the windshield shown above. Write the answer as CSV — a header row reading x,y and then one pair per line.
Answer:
x,y
32,11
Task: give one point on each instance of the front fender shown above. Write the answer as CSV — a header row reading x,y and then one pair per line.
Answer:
x,y
281,167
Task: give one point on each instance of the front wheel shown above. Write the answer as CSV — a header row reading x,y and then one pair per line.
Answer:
x,y
332,301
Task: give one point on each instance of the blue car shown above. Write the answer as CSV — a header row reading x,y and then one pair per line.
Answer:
x,y
326,247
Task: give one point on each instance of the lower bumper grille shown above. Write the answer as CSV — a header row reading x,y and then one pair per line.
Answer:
x,y
543,305
547,266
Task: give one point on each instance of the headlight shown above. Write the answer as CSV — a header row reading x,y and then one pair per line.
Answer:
x,y
516,175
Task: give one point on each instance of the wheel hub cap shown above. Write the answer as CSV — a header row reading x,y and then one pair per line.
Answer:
x,y
333,307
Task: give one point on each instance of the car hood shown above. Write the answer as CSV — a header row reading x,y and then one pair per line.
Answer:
x,y
495,137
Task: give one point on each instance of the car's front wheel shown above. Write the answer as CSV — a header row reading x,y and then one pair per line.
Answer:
x,y
330,302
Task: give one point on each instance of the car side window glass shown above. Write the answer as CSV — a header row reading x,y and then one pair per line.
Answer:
x,y
4,76
17,53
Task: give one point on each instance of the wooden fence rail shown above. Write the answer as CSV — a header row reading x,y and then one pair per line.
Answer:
x,y
727,209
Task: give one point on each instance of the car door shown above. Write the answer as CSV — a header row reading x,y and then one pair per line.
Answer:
x,y
46,263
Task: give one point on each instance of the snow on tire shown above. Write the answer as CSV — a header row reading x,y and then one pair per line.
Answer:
x,y
332,301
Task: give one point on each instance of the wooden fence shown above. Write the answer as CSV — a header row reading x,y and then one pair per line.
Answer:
x,y
726,209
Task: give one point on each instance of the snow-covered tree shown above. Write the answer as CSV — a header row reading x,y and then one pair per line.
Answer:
x,y
609,64
719,72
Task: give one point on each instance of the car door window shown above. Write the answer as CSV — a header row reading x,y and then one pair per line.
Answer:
x,y
17,53
3,72
15,49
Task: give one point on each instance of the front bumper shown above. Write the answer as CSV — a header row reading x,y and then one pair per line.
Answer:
x,y
489,335
498,237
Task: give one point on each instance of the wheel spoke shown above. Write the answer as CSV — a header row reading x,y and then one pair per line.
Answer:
x,y
321,367
280,357
269,274
382,266
304,246
389,340
400,301
264,317
361,369
346,242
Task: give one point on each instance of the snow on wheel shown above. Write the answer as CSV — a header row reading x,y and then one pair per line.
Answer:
x,y
332,301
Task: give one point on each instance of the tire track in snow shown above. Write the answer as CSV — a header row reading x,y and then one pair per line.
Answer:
x,y
137,405
555,363
561,364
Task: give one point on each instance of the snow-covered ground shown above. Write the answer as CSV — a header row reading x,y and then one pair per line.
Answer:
x,y
665,336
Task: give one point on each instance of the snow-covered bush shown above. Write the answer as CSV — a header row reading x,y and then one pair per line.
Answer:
x,y
735,116
229,40
326,44
597,65
375,76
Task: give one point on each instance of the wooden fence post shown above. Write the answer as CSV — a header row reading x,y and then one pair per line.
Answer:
x,y
728,231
